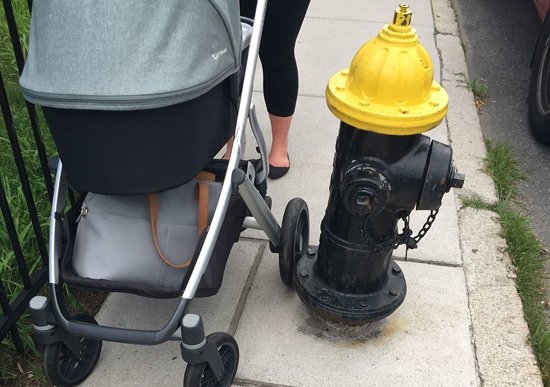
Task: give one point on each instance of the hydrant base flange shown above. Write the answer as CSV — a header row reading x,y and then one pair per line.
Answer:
x,y
346,307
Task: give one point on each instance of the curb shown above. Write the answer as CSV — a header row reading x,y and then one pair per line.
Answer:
x,y
500,335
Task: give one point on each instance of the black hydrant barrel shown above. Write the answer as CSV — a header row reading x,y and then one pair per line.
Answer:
x,y
355,249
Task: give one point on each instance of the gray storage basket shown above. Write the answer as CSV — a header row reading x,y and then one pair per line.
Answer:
x,y
114,241
126,261
129,54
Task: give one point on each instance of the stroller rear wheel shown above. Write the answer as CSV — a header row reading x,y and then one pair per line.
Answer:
x,y
294,238
201,375
63,368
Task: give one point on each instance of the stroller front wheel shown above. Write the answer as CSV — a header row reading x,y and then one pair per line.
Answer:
x,y
201,375
294,238
63,368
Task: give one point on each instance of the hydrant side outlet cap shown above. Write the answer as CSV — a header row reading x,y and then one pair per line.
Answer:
x,y
389,87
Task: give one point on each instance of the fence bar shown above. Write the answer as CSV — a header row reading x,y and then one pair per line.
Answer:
x,y
4,302
20,60
14,34
19,162
32,283
6,308
12,232
16,339
20,303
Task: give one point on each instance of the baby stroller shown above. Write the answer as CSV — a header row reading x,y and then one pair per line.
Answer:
x,y
136,137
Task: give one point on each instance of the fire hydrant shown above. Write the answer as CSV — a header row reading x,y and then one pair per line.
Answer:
x,y
383,169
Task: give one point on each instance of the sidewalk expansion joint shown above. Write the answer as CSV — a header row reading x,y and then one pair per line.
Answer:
x,y
473,336
432,263
381,22
445,34
253,239
246,290
255,383
397,258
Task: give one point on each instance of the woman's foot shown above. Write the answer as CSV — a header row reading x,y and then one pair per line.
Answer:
x,y
276,172
279,162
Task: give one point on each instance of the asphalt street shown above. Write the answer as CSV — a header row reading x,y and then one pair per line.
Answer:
x,y
499,38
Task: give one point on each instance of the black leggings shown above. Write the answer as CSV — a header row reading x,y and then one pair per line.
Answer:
x,y
283,21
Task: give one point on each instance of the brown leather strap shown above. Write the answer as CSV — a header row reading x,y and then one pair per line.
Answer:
x,y
202,195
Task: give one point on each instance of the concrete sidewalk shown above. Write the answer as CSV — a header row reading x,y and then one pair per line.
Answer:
x,y
461,323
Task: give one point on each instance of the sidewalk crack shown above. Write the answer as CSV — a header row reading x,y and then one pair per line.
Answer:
x,y
433,263
246,290
255,383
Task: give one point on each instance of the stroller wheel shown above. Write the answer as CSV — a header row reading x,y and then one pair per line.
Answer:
x,y
201,375
294,238
62,368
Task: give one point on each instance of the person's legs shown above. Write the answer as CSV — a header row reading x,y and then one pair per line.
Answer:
x,y
282,24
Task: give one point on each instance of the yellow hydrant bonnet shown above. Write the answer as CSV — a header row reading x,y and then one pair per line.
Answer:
x,y
389,88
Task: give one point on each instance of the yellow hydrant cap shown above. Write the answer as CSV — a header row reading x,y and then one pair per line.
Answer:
x,y
389,88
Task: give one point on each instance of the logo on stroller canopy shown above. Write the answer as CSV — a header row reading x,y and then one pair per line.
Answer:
x,y
218,54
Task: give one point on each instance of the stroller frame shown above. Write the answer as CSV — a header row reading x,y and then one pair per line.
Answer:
x,y
50,318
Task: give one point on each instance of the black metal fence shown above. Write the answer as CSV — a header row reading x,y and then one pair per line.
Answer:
x,y
33,281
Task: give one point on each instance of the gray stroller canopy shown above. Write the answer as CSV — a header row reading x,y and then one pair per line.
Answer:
x,y
129,54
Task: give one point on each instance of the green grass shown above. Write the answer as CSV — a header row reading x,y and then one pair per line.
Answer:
x,y
525,249
477,202
480,90
503,168
479,87
529,258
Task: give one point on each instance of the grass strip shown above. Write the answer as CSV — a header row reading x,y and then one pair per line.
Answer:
x,y
15,369
526,251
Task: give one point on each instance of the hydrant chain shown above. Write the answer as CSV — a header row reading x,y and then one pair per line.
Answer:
x,y
426,227
405,238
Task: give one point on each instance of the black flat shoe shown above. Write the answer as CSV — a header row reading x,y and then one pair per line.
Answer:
x,y
278,172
